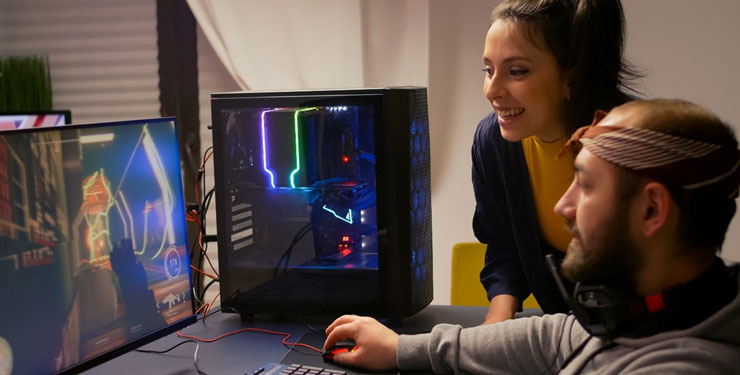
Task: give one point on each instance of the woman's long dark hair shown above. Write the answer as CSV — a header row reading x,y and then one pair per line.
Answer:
x,y
587,39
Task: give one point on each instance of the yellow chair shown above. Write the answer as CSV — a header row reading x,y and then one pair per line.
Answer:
x,y
468,259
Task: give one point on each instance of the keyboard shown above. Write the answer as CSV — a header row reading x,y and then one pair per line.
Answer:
x,y
294,369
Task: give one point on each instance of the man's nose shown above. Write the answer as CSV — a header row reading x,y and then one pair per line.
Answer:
x,y
566,206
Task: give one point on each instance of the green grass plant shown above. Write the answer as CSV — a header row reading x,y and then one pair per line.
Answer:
x,y
25,83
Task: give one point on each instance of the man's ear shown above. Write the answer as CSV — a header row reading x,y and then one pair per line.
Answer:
x,y
655,208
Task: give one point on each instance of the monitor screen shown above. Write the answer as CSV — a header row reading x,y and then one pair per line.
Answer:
x,y
34,119
324,201
93,248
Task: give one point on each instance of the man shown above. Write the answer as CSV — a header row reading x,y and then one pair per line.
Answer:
x,y
654,191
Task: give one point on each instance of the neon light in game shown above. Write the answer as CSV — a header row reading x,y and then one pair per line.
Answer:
x,y
165,187
98,201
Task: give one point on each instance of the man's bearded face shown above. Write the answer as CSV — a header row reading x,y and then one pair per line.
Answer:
x,y
607,253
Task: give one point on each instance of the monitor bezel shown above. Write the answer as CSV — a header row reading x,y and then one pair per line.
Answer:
x,y
130,346
66,112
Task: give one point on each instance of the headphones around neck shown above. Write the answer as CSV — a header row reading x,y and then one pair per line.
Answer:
x,y
603,310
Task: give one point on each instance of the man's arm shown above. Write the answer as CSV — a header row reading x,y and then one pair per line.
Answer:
x,y
527,345
535,345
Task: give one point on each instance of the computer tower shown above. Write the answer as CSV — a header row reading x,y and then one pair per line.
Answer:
x,y
323,201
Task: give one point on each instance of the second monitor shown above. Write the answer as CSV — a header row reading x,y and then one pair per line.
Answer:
x,y
323,201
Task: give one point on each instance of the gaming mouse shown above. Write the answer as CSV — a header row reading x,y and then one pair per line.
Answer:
x,y
341,346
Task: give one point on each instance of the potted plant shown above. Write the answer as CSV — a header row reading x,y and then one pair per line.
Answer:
x,y
25,83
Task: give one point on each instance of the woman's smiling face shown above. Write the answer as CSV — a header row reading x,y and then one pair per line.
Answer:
x,y
524,83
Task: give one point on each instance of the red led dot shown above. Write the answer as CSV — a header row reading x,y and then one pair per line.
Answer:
x,y
345,158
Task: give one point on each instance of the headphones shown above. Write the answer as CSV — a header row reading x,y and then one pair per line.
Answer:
x,y
609,311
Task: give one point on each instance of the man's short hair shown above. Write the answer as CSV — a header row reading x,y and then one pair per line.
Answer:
x,y
704,218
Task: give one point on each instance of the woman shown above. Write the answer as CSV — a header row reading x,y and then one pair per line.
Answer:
x,y
549,64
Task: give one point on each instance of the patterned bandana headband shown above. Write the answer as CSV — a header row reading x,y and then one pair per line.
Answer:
x,y
673,160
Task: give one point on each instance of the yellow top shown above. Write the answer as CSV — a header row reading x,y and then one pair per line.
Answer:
x,y
549,179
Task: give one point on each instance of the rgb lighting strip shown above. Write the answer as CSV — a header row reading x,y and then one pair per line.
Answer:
x,y
264,146
297,145
347,219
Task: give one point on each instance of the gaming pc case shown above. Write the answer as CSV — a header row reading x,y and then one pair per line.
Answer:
x,y
323,201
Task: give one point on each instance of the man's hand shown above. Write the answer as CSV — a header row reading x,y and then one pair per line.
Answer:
x,y
502,307
376,343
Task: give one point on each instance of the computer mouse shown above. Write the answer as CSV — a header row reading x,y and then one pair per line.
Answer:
x,y
341,346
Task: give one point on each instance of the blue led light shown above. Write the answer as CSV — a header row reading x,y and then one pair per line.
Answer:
x,y
346,219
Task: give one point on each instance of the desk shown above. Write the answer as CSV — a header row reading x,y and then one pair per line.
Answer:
x,y
246,351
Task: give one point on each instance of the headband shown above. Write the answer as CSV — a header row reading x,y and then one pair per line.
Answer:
x,y
673,160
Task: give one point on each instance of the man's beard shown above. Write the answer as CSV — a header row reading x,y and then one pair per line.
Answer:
x,y
611,255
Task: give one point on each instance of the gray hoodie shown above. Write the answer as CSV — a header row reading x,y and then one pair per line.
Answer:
x,y
540,345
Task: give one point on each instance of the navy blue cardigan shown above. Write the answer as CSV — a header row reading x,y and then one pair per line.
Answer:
x,y
506,221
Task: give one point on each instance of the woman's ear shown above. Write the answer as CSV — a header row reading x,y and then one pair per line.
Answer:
x,y
655,208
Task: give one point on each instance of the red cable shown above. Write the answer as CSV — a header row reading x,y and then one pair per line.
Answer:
x,y
202,168
208,156
208,309
287,336
200,308
204,273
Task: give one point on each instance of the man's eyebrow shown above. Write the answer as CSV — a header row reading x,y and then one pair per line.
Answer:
x,y
579,169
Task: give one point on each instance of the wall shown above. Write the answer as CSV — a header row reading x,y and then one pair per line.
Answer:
x,y
102,54
456,104
690,51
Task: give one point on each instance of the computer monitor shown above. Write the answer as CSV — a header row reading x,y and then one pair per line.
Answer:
x,y
93,249
323,201
34,119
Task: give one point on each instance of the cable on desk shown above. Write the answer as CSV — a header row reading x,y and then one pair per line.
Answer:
x,y
166,350
210,313
313,329
195,353
195,360
304,352
284,341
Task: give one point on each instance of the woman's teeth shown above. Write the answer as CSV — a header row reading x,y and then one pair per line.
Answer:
x,y
510,112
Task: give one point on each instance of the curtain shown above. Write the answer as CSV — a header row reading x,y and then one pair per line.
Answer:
x,y
284,44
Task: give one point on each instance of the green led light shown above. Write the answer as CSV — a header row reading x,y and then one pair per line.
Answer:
x,y
297,145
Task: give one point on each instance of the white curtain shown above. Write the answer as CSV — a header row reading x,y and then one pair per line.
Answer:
x,y
288,44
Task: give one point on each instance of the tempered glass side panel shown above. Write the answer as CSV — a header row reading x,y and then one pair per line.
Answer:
x,y
93,248
298,178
